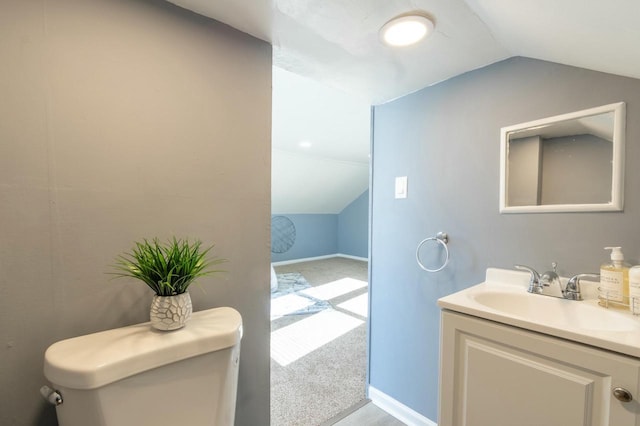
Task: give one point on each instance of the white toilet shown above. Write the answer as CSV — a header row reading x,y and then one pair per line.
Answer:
x,y
136,375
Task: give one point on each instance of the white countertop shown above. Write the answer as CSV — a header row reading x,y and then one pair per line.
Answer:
x,y
580,321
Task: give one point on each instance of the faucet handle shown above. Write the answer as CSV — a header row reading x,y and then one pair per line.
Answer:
x,y
534,273
572,289
534,280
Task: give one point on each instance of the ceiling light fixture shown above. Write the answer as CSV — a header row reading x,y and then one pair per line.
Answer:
x,y
305,144
407,29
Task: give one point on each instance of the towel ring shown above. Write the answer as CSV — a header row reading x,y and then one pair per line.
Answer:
x,y
441,238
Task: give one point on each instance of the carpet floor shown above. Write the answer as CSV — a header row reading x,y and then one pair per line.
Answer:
x,y
311,385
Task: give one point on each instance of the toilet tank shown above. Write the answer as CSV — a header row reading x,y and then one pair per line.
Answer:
x,y
137,375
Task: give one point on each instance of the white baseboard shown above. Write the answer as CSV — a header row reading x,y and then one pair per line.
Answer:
x,y
306,259
397,409
309,259
348,256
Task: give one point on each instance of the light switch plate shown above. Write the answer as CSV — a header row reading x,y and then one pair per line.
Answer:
x,y
401,187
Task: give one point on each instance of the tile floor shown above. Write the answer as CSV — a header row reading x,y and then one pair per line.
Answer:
x,y
368,414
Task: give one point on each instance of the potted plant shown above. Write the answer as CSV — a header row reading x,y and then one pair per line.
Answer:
x,y
168,269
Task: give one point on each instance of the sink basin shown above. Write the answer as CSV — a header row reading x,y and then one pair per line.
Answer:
x,y
572,314
503,298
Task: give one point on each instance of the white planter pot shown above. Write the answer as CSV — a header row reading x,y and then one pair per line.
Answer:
x,y
170,312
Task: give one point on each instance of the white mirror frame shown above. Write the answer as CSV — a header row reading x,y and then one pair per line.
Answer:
x,y
617,178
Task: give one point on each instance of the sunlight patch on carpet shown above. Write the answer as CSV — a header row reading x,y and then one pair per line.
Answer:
x,y
303,337
359,305
335,288
289,286
287,304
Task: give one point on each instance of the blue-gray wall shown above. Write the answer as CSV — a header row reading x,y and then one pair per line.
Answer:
x,y
353,227
316,235
446,139
329,234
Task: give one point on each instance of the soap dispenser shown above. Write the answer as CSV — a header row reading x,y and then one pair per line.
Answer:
x,y
634,290
614,281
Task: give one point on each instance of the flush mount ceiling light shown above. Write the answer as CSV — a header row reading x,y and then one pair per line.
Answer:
x,y
405,30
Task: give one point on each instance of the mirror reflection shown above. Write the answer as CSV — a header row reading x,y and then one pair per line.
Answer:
x,y
571,162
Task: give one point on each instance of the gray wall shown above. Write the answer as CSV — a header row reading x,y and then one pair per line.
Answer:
x,y
124,119
576,169
450,135
524,171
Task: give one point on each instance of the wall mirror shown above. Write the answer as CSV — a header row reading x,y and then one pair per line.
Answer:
x,y
568,163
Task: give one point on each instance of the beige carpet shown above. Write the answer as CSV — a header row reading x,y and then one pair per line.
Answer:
x,y
330,379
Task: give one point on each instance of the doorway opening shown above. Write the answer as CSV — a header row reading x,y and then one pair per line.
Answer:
x,y
318,340
320,229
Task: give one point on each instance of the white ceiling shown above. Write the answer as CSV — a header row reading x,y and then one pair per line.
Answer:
x,y
336,41
326,176
335,123
336,67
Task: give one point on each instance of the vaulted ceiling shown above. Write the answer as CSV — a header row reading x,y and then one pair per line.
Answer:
x,y
335,43
331,168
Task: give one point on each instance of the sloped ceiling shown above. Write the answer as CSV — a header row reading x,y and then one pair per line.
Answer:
x,y
597,35
335,43
334,170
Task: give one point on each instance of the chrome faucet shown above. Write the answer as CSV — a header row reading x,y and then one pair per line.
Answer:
x,y
572,289
551,278
538,284
534,280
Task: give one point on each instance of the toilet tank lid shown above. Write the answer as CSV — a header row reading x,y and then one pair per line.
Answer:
x,y
95,360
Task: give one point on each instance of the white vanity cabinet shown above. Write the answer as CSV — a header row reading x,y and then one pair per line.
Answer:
x,y
493,374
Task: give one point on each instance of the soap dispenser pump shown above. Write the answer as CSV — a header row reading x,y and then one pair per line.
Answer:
x,y
614,280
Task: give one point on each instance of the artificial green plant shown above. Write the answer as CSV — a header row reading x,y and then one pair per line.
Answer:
x,y
167,268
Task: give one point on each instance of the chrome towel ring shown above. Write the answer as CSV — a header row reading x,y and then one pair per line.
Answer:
x,y
441,238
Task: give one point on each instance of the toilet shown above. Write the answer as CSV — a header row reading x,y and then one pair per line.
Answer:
x,y
137,375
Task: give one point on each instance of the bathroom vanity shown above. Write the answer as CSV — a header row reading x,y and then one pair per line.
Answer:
x,y
510,358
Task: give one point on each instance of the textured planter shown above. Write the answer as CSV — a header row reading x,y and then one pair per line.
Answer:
x,y
170,312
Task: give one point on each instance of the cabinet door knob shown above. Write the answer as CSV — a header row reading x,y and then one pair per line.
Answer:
x,y
622,394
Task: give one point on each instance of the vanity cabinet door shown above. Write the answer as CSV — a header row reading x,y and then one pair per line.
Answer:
x,y
496,375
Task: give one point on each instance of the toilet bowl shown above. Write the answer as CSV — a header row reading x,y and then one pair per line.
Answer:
x,y
136,375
